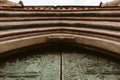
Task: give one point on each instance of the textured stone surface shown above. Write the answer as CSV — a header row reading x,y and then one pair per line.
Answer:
x,y
8,3
100,34
112,3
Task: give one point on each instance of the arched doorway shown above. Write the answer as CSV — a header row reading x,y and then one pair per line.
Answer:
x,y
58,61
